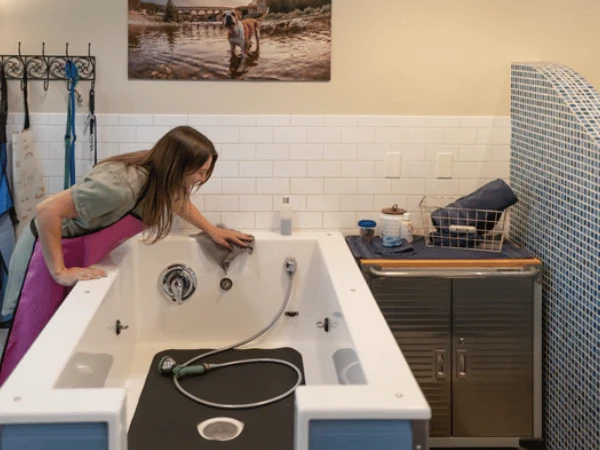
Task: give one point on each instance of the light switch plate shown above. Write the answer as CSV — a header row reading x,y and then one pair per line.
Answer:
x,y
444,165
393,165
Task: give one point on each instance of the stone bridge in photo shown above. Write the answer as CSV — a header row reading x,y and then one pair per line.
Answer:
x,y
202,11
255,8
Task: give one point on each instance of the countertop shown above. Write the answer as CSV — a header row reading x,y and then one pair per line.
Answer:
x,y
370,252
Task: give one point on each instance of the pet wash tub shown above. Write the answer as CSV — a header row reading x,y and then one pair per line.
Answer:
x,y
82,383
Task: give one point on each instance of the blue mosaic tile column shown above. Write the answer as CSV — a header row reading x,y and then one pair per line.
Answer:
x,y
555,172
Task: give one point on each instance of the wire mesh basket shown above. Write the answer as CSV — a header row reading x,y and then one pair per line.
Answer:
x,y
462,228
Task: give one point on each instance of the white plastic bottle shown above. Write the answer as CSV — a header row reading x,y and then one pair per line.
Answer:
x,y
406,228
285,217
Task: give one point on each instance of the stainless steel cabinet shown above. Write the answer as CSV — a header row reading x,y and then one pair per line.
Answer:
x,y
418,312
472,338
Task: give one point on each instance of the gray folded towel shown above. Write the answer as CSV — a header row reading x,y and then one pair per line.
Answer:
x,y
221,255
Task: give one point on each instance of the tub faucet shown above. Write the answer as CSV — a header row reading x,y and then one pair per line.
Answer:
x,y
178,282
177,289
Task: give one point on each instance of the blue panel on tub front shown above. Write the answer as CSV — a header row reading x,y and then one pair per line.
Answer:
x,y
360,435
54,436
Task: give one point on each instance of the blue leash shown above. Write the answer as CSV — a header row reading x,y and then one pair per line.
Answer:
x,y
70,137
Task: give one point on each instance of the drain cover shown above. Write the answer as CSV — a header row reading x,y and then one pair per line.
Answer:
x,y
220,429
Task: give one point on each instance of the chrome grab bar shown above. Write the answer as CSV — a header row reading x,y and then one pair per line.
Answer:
x,y
453,273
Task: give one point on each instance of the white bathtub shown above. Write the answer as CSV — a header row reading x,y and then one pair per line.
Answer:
x,y
81,371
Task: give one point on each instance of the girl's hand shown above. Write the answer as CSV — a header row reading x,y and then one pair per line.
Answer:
x,y
68,277
223,237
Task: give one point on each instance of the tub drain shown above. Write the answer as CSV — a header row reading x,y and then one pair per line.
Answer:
x,y
220,429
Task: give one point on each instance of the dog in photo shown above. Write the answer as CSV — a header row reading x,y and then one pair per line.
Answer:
x,y
240,32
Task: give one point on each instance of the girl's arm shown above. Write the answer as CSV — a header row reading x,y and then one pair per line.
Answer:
x,y
50,214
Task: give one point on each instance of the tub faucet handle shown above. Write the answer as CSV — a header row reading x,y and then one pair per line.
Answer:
x,y
178,282
177,289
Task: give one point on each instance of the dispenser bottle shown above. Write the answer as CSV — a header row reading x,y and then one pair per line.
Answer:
x,y
285,217
406,228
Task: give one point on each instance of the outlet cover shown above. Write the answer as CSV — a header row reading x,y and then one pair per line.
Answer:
x,y
393,165
444,165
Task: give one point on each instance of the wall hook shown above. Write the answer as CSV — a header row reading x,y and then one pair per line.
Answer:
x,y
47,63
24,67
47,68
93,65
68,58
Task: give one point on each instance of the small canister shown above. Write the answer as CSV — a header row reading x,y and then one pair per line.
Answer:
x,y
389,225
366,229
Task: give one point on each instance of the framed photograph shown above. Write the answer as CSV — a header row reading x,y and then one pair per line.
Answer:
x,y
270,40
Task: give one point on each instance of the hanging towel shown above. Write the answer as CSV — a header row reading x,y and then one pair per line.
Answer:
x,y
219,254
7,233
6,203
27,174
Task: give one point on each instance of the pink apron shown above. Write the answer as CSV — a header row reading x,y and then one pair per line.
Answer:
x,y
41,295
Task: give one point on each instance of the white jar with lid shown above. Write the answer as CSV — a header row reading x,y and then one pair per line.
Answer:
x,y
389,225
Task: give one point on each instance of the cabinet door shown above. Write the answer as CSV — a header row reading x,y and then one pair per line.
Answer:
x,y
417,310
493,357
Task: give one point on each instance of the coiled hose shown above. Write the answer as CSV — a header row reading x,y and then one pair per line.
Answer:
x,y
184,369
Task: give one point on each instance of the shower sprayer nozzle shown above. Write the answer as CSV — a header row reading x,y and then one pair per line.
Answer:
x,y
168,367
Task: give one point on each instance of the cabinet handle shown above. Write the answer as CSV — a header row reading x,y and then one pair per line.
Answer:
x,y
440,360
462,363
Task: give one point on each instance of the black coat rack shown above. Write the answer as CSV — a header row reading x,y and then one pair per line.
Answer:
x,y
48,67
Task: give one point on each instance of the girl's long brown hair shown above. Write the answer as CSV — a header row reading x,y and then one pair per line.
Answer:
x,y
179,153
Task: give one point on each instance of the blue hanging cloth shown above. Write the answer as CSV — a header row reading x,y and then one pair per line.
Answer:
x,y
5,196
70,137
7,212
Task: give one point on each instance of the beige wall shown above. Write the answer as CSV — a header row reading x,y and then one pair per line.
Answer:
x,y
404,57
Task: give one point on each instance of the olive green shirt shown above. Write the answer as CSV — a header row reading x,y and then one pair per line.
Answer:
x,y
107,193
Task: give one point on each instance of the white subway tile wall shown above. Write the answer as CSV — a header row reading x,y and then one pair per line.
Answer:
x,y
331,167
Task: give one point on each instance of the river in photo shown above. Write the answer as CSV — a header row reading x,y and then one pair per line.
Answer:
x,y
297,49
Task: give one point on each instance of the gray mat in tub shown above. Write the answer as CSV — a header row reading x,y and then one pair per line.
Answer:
x,y
165,418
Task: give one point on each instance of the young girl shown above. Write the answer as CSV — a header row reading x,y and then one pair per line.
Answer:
x,y
77,227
